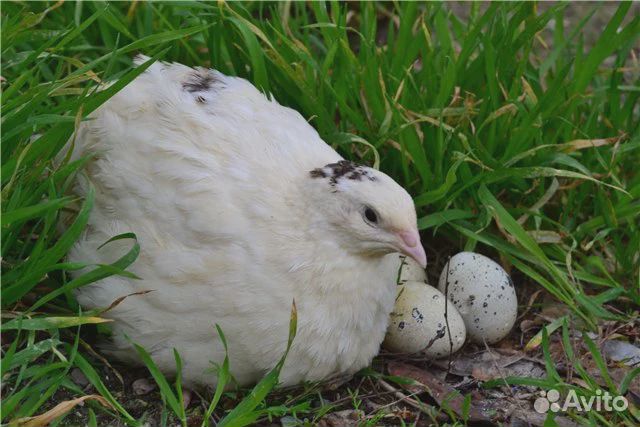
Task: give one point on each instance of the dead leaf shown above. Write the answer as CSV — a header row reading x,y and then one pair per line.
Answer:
x,y
440,391
122,298
520,368
616,374
490,365
505,109
579,144
522,418
57,411
545,236
529,94
346,418
337,381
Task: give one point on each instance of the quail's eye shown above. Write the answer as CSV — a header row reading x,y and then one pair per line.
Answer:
x,y
370,215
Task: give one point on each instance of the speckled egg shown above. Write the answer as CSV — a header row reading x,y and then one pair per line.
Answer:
x,y
483,293
411,271
418,323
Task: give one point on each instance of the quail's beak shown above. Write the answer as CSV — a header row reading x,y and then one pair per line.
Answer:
x,y
409,244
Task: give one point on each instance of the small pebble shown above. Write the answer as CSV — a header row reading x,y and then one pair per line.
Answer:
x,y
78,378
143,386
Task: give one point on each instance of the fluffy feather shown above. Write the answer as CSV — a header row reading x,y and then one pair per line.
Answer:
x,y
240,208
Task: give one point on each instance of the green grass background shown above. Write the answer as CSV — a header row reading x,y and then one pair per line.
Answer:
x,y
515,136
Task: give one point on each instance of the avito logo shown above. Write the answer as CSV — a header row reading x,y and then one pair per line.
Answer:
x,y
601,401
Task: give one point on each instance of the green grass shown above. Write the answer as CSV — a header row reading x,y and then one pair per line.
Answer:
x,y
515,137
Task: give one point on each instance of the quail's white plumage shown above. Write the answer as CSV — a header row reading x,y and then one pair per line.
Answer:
x,y
239,208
